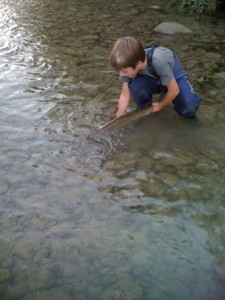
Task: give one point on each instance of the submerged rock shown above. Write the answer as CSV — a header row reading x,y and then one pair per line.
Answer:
x,y
125,288
207,114
171,28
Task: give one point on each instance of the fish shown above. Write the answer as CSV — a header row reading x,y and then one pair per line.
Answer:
x,y
126,118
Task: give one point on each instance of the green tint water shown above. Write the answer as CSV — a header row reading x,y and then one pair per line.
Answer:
x,y
132,214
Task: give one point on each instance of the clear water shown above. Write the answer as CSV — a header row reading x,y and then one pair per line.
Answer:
x,y
133,214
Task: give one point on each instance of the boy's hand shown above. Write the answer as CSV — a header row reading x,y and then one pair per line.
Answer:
x,y
120,115
156,106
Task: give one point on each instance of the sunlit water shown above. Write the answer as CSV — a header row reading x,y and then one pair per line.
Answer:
x,y
133,214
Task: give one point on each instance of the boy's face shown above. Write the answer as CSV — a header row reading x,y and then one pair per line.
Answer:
x,y
130,72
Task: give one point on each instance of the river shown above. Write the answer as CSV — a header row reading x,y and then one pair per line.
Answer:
x,y
133,214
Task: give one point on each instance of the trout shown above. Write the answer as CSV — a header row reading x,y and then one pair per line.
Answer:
x,y
127,118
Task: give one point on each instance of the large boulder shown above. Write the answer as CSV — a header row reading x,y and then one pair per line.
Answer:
x,y
171,29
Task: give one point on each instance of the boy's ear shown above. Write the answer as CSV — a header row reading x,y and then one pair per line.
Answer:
x,y
139,64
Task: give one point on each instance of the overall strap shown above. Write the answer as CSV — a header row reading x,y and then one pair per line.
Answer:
x,y
150,50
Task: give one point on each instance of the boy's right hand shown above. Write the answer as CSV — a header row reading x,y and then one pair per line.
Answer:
x,y
120,115
156,106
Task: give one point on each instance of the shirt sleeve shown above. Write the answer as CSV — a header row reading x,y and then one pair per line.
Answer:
x,y
163,66
163,70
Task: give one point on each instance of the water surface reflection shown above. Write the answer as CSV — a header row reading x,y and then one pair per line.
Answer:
x,y
133,214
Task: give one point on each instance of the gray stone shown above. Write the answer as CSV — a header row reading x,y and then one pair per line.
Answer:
x,y
205,165
169,179
178,159
25,249
171,28
212,55
3,188
155,7
125,288
56,294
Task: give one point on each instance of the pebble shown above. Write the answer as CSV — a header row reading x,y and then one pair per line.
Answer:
x,y
25,249
3,188
207,114
5,275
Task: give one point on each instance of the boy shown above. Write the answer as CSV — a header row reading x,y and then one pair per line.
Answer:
x,y
145,72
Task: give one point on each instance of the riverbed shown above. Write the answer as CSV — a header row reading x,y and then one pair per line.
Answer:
x,y
137,213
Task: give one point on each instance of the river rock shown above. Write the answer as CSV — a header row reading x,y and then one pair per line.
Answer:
x,y
39,280
131,12
205,165
155,7
178,159
17,291
169,179
41,254
219,79
3,188
206,114
25,249
212,55
171,28
5,275
125,288
46,294
145,163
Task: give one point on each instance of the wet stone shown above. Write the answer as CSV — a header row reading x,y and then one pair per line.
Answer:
x,y
206,165
169,179
131,12
153,187
47,294
207,114
213,93
25,249
177,159
191,64
125,288
182,172
69,269
144,163
103,16
5,261
36,224
62,229
59,249
172,28
95,292
219,79
17,291
93,37
3,188
129,195
217,156
41,254
5,275
212,55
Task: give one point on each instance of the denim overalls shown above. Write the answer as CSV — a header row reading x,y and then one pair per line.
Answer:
x,y
142,88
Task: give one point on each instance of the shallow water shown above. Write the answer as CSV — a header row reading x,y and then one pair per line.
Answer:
x,y
132,214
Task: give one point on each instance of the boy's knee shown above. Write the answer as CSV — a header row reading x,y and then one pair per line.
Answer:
x,y
187,107
142,100
141,90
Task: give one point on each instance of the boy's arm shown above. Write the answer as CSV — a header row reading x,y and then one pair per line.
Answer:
x,y
123,100
172,92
